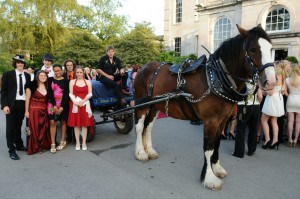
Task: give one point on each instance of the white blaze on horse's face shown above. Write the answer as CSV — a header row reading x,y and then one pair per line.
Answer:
x,y
266,47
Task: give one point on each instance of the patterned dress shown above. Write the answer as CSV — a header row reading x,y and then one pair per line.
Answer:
x,y
58,96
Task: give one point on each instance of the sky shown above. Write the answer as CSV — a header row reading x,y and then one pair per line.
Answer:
x,y
142,10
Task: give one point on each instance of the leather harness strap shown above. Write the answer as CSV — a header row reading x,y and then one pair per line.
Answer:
x,y
154,78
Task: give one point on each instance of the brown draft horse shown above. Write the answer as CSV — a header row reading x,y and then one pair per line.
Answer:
x,y
245,55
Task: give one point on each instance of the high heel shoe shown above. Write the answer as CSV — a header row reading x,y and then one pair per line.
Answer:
x,y
274,145
231,136
84,147
290,144
61,146
258,139
53,149
267,145
223,137
77,147
294,144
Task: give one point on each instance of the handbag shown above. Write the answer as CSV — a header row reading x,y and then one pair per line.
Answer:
x,y
27,129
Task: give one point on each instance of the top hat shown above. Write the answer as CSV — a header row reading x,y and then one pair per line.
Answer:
x,y
48,57
19,58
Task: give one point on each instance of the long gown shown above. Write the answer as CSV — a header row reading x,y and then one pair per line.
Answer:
x,y
39,139
81,118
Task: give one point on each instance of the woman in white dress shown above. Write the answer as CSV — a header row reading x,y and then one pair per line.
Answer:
x,y
293,105
273,108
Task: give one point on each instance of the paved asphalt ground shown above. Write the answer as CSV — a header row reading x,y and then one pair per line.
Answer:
x,y
109,170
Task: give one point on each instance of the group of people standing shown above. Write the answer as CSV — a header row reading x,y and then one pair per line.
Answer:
x,y
52,96
266,111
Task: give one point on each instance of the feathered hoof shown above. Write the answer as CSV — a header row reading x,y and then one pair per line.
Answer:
x,y
212,182
152,154
218,170
141,155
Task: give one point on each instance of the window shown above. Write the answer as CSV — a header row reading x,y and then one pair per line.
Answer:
x,y
178,45
222,31
178,11
278,19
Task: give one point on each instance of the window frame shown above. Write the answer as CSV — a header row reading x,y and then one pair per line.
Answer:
x,y
178,11
283,22
177,45
218,25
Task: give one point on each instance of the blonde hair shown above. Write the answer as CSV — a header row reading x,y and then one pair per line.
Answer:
x,y
295,74
281,68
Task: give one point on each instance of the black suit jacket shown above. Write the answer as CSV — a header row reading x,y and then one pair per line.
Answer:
x,y
9,88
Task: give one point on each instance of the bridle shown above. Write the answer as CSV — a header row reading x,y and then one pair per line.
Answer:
x,y
254,70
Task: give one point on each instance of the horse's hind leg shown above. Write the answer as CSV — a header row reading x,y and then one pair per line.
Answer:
x,y
147,135
218,170
140,153
208,177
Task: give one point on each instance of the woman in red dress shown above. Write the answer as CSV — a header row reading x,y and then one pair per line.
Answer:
x,y
80,114
36,110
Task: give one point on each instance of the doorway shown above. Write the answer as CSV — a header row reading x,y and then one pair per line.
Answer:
x,y
281,54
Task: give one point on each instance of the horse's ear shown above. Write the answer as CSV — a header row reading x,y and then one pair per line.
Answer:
x,y
242,31
259,26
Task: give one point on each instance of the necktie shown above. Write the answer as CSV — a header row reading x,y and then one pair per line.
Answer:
x,y
20,85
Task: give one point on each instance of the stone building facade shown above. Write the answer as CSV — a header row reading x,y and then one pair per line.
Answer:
x,y
192,23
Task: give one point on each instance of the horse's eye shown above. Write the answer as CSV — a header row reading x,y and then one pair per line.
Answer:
x,y
253,50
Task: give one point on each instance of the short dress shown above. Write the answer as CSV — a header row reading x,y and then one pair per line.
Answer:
x,y
274,105
81,116
58,91
293,104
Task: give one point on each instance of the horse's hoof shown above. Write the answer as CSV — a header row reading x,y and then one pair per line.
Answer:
x,y
218,170
212,182
142,156
152,154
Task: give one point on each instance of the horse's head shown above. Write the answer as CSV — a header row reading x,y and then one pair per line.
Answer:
x,y
257,48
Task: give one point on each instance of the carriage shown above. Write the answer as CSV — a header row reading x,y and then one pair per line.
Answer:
x,y
206,90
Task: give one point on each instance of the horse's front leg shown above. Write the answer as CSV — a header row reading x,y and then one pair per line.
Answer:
x,y
147,135
218,170
208,177
140,153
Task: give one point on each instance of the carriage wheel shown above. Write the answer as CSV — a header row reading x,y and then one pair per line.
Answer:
x,y
123,123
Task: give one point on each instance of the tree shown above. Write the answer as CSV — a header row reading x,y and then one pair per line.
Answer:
x,y
40,26
106,24
82,46
139,46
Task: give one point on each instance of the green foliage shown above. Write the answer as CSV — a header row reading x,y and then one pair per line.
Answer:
x,y
174,57
83,47
139,46
105,23
39,26
5,61
292,59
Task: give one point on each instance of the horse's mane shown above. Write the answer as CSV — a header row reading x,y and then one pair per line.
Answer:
x,y
232,46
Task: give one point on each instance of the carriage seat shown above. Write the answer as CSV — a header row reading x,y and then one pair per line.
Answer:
x,y
188,66
104,96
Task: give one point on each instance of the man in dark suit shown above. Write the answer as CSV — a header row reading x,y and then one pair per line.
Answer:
x,y
13,104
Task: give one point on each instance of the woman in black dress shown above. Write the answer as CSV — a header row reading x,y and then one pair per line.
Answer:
x,y
58,106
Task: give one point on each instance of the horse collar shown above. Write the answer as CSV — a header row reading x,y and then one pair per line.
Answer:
x,y
221,82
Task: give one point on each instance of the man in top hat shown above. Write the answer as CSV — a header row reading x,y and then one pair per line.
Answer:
x,y
13,104
48,60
